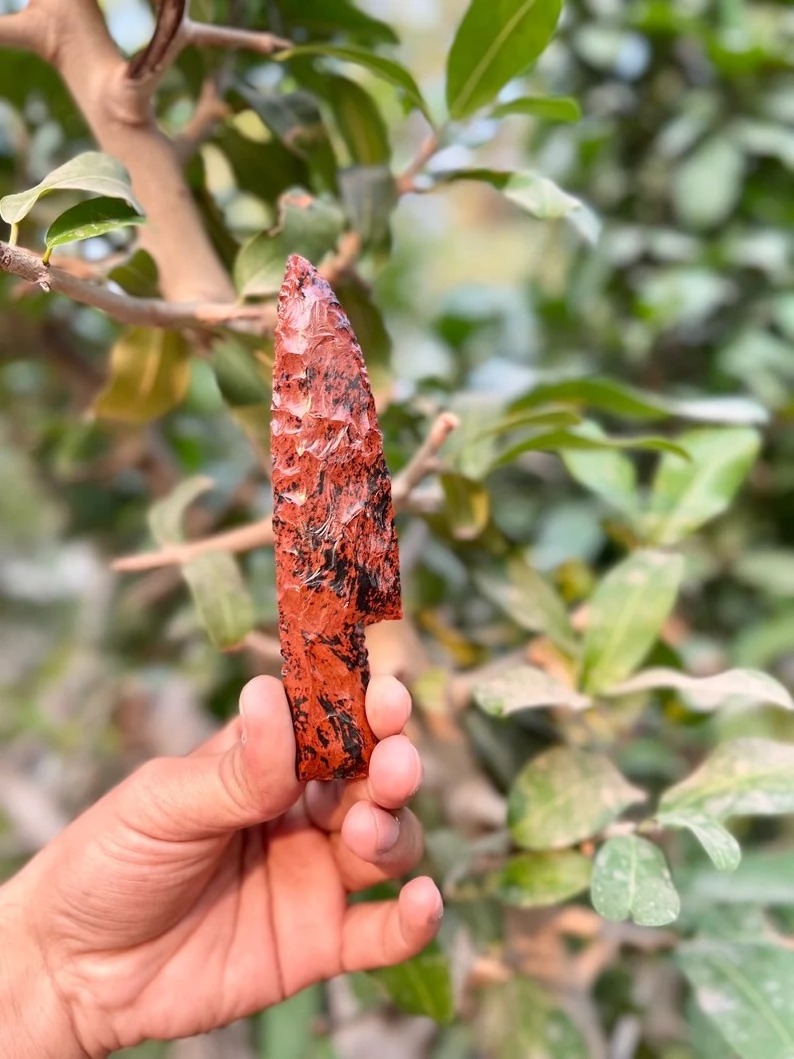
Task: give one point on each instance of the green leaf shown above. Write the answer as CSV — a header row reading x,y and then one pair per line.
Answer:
x,y
708,693
137,275
551,108
535,880
166,516
564,796
535,194
149,375
745,989
291,1029
495,41
744,777
525,596
583,440
420,986
386,69
723,849
369,196
88,219
307,226
763,878
224,606
467,506
519,1020
701,201
625,615
243,374
771,570
92,171
608,474
359,121
525,688
685,495
617,399
631,880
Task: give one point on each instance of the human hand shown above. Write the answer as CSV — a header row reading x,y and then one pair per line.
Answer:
x,y
205,888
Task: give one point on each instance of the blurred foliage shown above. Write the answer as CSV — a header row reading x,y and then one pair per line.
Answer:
x,y
600,618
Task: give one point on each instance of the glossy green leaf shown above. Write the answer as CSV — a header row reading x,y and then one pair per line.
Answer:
x,y
608,474
243,374
700,200
92,171
744,777
625,616
631,880
723,849
386,69
369,196
291,1029
550,108
149,375
307,225
519,1020
685,495
564,796
708,693
137,275
467,506
420,986
495,41
583,440
224,605
745,989
616,398
536,880
534,193
524,594
88,219
359,121
167,515
525,687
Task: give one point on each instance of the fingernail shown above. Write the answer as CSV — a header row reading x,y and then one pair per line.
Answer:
x,y
387,829
419,771
438,912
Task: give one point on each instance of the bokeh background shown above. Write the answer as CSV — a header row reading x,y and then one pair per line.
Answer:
x,y
684,151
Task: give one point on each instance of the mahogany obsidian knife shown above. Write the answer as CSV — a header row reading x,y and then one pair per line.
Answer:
x,y
337,563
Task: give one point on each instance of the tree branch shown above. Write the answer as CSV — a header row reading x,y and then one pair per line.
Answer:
x,y
259,534
146,312
25,30
170,17
209,111
206,34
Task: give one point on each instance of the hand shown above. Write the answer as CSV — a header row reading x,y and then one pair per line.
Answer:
x,y
205,888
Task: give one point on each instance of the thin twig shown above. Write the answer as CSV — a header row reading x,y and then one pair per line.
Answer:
x,y
406,181
205,34
245,539
146,312
424,460
209,111
259,534
153,58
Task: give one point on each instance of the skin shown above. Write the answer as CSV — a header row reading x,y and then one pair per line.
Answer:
x,y
208,887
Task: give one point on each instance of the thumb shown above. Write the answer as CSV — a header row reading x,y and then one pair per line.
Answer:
x,y
206,795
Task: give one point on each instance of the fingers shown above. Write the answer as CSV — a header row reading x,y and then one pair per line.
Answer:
x,y
205,795
375,845
388,706
380,933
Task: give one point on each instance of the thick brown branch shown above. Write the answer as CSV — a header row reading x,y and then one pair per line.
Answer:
x,y
151,60
146,312
25,30
259,534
